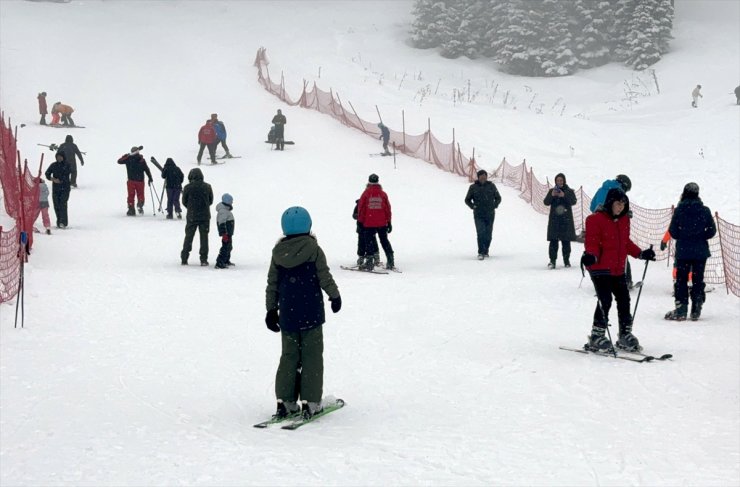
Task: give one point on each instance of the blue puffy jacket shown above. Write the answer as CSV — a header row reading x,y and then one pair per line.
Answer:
x,y
600,195
220,130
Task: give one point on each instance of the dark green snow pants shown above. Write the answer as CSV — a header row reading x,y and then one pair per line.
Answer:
x,y
304,349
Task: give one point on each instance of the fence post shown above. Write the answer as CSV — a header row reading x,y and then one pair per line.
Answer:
x,y
721,250
453,148
403,128
531,187
429,140
362,125
379,117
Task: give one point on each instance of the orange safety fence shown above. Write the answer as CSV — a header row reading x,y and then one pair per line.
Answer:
x,y
648,225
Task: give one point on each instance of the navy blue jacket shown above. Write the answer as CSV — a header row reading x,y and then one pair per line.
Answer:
x,y
385,133
692,225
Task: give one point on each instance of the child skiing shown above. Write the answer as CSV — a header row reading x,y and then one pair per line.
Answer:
x,y
173,178
225,225
695,95
295,308
44,205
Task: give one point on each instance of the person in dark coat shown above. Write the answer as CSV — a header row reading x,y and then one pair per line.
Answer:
x,y
385,135
58,174
197,197
560,225
483,198
136,167
691,226
173,178
71,153
43,110
737,95
278,122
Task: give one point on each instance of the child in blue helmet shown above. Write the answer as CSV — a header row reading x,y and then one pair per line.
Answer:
x,y
295,308
225,225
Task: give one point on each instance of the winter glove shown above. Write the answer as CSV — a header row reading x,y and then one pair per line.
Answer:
x,y
272,320
389,227
647,254
663,245
336,304
225,238
151,181
588,260
82,163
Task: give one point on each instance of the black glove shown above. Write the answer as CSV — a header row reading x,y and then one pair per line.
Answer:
x,y
336,304
663,245
588,260
272,320
647,254
150,182
389,227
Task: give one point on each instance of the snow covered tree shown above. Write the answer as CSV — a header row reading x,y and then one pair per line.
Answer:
x,y
519,49
495,15
623,21
557,40
429,26
664,16
474,27
643,38
592,21
452,39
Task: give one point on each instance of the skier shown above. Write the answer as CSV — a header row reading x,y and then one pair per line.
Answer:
x,y
44,204
560,226
58,174
278,122
220,129
374,214
136,167
483,198
71,153
197,197
43,110
385,134
173,178
361,238
295,308
737,95
695,95
607,245
664,245
207,138
65,111
225,224
691,225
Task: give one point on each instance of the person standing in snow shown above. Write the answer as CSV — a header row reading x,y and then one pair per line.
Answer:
x,y
691,226
385,135
207,138
695,95
374,214
136,167
278,122
361,238
560,225
483,198
607,245
225,224
58,174
295,309
737,95
44,204
71,153
197,197
220,129
43,110
173,178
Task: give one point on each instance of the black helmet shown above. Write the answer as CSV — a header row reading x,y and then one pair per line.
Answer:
x,y
625,182
373,178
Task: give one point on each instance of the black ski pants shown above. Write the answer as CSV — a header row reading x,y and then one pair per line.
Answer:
x,y
279,137
60,197
224,255
553,251
371,245
187,246
211,151
696,268
606,286
484,229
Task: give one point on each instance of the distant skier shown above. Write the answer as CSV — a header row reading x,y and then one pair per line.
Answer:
x,y
207,138
385,135
65,111
560,225
173,178
197,197
374,214
220,129
225,224
58,174
607,245
737,95
136,167
692,226
695,95
44,205
43,110
71,153
278,122
483,198
295,308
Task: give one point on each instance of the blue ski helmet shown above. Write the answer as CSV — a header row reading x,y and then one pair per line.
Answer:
x,y
295,221
227,199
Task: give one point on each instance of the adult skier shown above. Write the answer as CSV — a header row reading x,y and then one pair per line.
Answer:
x,y
607,245
43,110
173,178
278,122
374,214
220,129
225,224
71,153
136,167
385,135
483,198
560,225
295,308
197,197
58,174
692,226
207,138
695,95
65,111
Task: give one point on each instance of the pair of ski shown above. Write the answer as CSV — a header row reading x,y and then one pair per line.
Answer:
x,y
638,357
374,270
381,154
295,421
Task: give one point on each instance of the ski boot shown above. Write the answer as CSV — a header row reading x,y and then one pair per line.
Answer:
x,y
285,409
219,265
566,263
369,264
360,260
481,256
204,263
551,265
627,341
48,231
597,341
678,314
376,256
390,262
169,216
179,215
141,209
131,211
228,156
309,409
696,309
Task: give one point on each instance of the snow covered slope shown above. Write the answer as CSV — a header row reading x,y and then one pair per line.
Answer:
x,y
134,370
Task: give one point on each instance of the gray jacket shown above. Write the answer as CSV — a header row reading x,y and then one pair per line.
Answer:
x,y
43,195
224,219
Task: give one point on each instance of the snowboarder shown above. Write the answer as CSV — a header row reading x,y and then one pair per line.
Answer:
x,y
65,111
361,238
295,308
695,95
225,224
278,122
374,214
136,167
44,204
207,138
197,197
71,153
385,134
607,245
691,225
173,178
58,174
220,129
43,110
737,95
483,198
560,225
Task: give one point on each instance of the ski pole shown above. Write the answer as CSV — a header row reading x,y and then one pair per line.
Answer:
x,y
606,320
161,198
151,193
20,299
644,273
394,156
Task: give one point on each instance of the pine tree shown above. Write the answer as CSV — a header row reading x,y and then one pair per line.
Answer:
x,y
474,27
557,41
623,21
452,37
643,38
428,27
664,16
496,16
519,49
592,20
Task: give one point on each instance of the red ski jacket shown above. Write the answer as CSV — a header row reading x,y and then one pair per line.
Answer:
x,y
207,134
374,209
608,239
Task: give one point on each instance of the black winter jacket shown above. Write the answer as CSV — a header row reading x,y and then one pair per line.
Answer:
x,y
136,166
61,171
71,152
172,175
197,197
483,199
560,225
692,225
